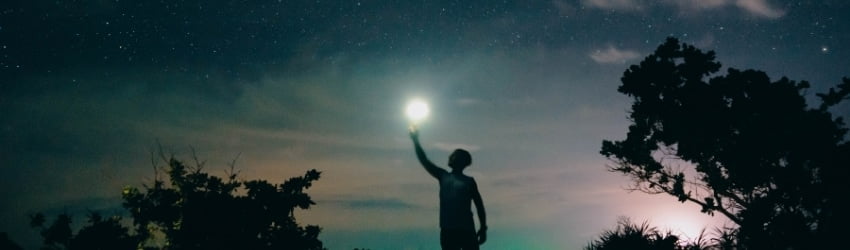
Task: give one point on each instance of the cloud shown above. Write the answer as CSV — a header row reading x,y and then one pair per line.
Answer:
x,y
468,101
564,8
371,204
760,8
449,147
698,4
613,55
318,138
706,41
613,4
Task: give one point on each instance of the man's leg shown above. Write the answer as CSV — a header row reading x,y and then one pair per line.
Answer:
x,y
469,240
449,240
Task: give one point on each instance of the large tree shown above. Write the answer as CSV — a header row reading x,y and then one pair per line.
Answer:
x,y
191,209
200,211
737,144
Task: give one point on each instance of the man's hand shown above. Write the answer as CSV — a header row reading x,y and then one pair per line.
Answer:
x,y
482,235
414,133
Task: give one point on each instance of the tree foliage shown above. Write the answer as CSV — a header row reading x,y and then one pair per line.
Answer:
x,y
8,244
99,234
194,210
737,144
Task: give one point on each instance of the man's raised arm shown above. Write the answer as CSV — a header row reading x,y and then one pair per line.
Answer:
x,y
432,169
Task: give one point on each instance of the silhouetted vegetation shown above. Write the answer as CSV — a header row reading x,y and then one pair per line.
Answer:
x,y
632,236
98,234
195,210
738,144
8,244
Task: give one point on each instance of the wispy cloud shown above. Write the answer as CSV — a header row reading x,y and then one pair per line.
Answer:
x,y
370,203
313,137
449,147
613,4
706,41
468,101
564,8
613,55
760,8
697,4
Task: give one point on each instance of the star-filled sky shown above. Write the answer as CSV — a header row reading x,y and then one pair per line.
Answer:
x,y
88,89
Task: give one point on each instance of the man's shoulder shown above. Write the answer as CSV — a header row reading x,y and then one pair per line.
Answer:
x,y
461,177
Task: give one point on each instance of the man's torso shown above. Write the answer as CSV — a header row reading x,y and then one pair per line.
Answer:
x,y
455,201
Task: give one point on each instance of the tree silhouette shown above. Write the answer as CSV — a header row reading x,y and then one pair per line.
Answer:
x,y
200,211
737,144
195,210
98,234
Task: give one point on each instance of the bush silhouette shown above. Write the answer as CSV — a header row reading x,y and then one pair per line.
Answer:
x,y
195,210
763,158
628,235
8,244
98,234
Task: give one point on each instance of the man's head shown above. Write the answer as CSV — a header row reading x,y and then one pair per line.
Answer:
x,y
459,159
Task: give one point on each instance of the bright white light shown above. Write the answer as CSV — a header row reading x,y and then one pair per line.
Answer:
x,y
417,110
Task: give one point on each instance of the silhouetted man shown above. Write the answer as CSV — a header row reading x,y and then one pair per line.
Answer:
x,y
457,191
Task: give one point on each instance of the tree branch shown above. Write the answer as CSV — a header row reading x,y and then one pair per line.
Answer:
x,y
656,187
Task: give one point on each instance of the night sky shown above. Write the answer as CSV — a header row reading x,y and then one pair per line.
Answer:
x,y
89,88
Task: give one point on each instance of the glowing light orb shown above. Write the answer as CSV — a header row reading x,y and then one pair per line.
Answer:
x,y
417,110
